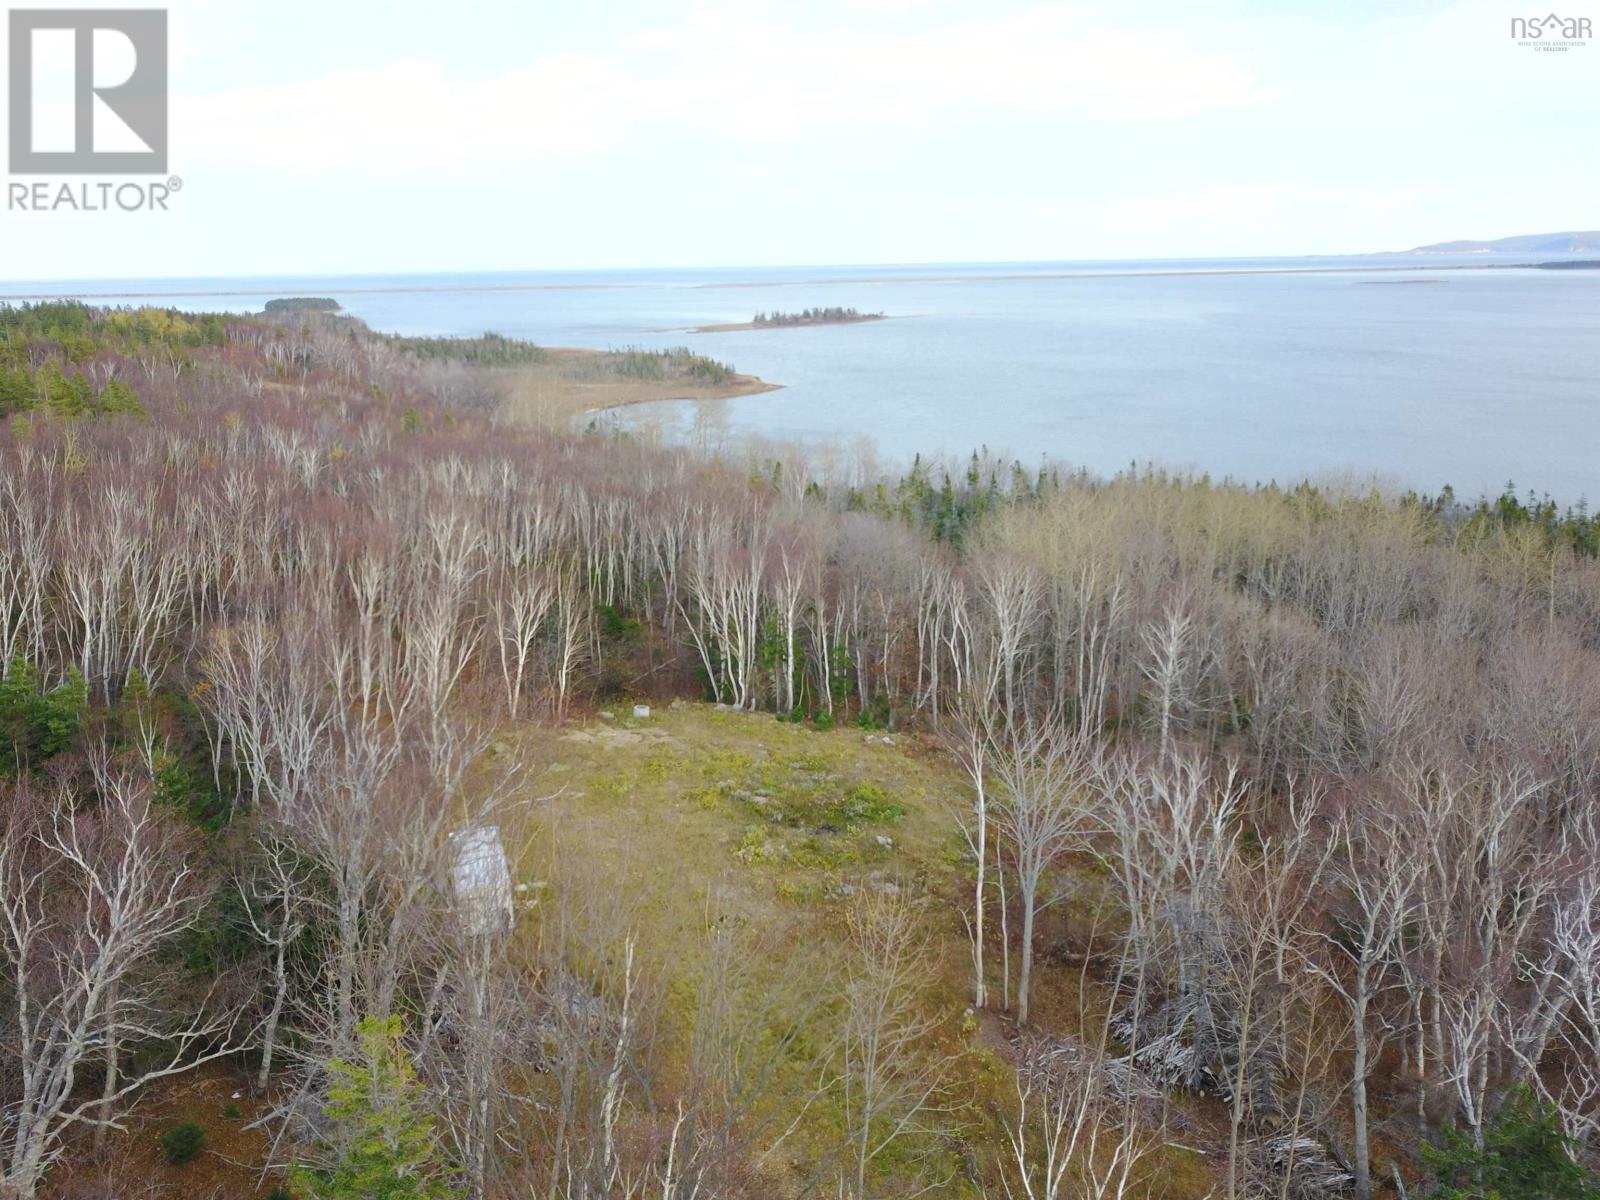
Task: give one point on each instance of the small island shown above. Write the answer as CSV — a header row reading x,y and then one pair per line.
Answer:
x,y
808,316
301,304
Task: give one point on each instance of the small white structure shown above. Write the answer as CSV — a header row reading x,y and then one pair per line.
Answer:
x,y
641,711
481,876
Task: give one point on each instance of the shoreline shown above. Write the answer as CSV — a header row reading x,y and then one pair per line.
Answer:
x,y
739,326
737,386
758,387
443,288
564,387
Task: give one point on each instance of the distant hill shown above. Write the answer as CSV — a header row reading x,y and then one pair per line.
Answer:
x,y
1587,242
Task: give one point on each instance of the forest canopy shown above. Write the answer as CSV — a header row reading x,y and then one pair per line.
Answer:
x,y
981,829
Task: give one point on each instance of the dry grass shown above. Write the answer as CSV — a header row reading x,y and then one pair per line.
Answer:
x,y
700,812
571,384
134,1166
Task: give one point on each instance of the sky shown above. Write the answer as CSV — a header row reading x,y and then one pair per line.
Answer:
x,y
355,137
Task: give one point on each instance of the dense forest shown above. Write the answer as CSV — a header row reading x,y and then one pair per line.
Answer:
x,y
1253,848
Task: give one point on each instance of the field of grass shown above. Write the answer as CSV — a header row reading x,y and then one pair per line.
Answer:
x,y
698,814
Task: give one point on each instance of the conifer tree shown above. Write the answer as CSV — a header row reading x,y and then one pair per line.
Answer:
x,y
383,1139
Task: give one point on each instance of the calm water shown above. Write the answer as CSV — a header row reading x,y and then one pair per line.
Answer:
x,y
1422,377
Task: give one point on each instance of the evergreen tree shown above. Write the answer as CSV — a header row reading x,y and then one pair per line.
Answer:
x,y
1525,1155
118,397
69,395
16,389
36,724
385,1143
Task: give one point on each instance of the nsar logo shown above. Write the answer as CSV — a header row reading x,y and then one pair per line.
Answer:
x,y
1551,32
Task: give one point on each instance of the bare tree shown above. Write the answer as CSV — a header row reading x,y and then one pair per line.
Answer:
x,y
1172,670
1379,870
279,899
791,582
1575,945
973,743
1266,903
891,1083
88,899
724,583
1013,594
521,602
26,560
1071,1137
1043,772
1171,832
571,614
1087,618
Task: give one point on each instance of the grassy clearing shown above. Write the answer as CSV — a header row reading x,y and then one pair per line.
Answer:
x,y
769,812
706,815
701,814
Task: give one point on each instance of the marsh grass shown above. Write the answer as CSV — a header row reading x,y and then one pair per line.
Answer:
x,y
563,385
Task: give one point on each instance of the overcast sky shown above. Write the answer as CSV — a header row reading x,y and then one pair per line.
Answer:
x,y
351,136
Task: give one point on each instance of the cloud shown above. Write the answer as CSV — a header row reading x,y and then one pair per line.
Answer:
x,y
407,116
721,74
1234,219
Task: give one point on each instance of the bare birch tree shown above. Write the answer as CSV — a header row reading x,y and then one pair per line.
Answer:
x,y
1043,773
88,898
891,1082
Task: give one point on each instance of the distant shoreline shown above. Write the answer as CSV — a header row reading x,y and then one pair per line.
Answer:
x,y
444,288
